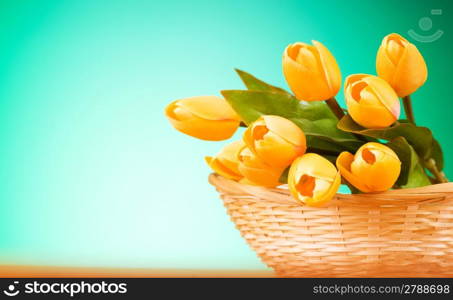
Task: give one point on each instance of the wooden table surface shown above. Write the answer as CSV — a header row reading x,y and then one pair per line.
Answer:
x,y
53,271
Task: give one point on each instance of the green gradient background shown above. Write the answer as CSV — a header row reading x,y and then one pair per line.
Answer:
x,y
92,174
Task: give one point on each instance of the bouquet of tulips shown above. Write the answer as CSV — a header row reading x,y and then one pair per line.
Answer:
x,y
306,140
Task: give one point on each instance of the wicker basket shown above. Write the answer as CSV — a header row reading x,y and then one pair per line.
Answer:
x,y
399,233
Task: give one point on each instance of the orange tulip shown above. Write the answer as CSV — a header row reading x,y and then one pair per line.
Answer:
x,y
371,101
275,140
226,163
313,180
255,171
312,72
208,118
374,167
400,63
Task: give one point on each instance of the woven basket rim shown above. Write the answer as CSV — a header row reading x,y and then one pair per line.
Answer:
x,y
281,194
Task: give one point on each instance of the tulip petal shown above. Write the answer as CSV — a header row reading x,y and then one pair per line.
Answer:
x,y
266,177
404,68
411,72
308,57
183,118
367,94
275,140
331,69
377,166
256,171
343,163
382,148
314,166
228,156
247,137
221,169
384,66
286,129
371,101
305,184
395,45
359,93
208,130
292,51
275,151
384,174
209,108
370,116
203,129
306,84
247,157
324,196
351,79
385,93
381,173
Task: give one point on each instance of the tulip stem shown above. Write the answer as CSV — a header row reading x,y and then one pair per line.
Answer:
x,y
432,167
335,107
408,109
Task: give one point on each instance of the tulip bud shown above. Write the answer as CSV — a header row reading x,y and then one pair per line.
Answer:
x,y
226,162
371,101
312,72
374,167
400,63
255,171
275,140
208,118
313,180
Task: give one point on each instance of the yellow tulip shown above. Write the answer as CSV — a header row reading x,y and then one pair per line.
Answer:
x,y
208,118
374,167
275,140
255,171
371,101
313,180
400,63
312,72
226,162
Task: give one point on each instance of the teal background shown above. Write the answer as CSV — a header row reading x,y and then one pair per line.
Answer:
x,y
92,174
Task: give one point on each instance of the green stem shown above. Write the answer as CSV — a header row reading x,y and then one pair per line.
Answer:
x,y
439,175
335,107
407,102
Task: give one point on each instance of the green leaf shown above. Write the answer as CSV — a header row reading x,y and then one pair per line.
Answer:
x,y
314,118
250,105
322,136
284,177
437,155
417,178
420,138
407,156
255,84
412,173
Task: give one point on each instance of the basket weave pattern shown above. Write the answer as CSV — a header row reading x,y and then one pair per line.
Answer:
x,y
406,233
